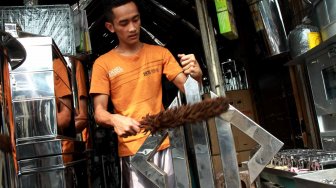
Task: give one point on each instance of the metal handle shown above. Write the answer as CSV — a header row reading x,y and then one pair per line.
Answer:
x,y
328,139
332,52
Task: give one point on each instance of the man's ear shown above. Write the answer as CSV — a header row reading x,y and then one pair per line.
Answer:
x,y
109,26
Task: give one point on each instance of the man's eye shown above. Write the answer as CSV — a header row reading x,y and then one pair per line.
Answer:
x,y
136,18
123,23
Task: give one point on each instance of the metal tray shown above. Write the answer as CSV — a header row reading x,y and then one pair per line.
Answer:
x,y
314,179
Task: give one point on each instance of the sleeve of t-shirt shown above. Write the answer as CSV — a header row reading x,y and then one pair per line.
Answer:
x,y
99,80
171,68
80,77
61,79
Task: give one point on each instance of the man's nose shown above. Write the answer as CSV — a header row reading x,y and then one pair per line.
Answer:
x,y
132,27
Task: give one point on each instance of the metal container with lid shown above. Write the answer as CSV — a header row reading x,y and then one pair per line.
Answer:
x,y
303,38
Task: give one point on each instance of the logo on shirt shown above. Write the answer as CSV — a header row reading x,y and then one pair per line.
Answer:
x,y
151,71
115,71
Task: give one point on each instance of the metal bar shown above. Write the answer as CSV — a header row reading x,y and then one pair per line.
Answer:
x,y
179,152
227,151
210,48
269,145
199,139
142,160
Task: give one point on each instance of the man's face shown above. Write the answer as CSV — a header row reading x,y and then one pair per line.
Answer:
x,y
126,23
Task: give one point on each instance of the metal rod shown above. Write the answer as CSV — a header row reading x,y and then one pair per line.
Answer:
x,y
210,48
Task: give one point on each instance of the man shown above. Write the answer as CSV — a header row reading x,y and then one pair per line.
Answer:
x,y
130,75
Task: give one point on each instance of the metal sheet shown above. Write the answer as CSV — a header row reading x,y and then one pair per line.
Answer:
x,y
35,118
32,85
142,160
199,139
73,176
227,152
29,165
179,152
321,69
48,148
38,49
269,145
316,179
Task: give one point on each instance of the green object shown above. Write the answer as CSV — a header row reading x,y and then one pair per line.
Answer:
x,y
222,5
227,25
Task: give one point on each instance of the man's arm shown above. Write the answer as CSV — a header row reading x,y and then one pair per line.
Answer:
x,y
123,126
64,112
190,67
81,119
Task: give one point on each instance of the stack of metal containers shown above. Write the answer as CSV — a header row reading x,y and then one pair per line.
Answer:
x,y
47,151
41,107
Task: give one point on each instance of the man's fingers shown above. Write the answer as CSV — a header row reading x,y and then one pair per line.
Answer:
x,y
188,66
135,129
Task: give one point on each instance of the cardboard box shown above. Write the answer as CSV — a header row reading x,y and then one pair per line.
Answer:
x,y
243,156
227,25
242,100
242,141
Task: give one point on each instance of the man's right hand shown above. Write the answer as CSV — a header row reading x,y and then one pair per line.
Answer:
x,y
125,126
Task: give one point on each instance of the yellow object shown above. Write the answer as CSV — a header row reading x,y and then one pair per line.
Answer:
x,y
314,39
227,25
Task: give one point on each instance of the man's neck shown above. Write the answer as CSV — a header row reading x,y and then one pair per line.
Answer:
x,y
128,50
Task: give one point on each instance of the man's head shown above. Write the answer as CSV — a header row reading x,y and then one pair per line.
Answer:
x,y
110,4
123,18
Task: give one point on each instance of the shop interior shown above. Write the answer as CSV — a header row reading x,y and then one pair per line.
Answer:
x,y
274,59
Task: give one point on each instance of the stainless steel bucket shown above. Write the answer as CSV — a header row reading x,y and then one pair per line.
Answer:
x,y
268,22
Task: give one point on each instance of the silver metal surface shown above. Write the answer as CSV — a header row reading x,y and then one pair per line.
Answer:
x,y
41,90
40,163
44,148
199,140
321,67
30,85
328,142
38,49
227,152
69,176
179,152
35,118
329,30
324,11
315,179
142,160
210,48
74,84
298,39
269,145
316,64
268,21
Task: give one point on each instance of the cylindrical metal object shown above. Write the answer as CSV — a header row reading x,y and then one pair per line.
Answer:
x,y
269,25
303,38
210,49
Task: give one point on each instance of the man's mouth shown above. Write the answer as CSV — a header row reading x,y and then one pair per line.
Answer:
x,y
133,36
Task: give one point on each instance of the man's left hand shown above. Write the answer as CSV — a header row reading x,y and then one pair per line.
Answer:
x,y
190,66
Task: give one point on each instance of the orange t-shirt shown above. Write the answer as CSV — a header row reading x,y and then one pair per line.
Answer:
x,y
134,85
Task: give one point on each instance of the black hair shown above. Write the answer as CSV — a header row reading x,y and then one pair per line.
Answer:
x,y
110,4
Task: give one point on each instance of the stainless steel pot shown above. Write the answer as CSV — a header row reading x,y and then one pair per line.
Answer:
x,y
324,12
